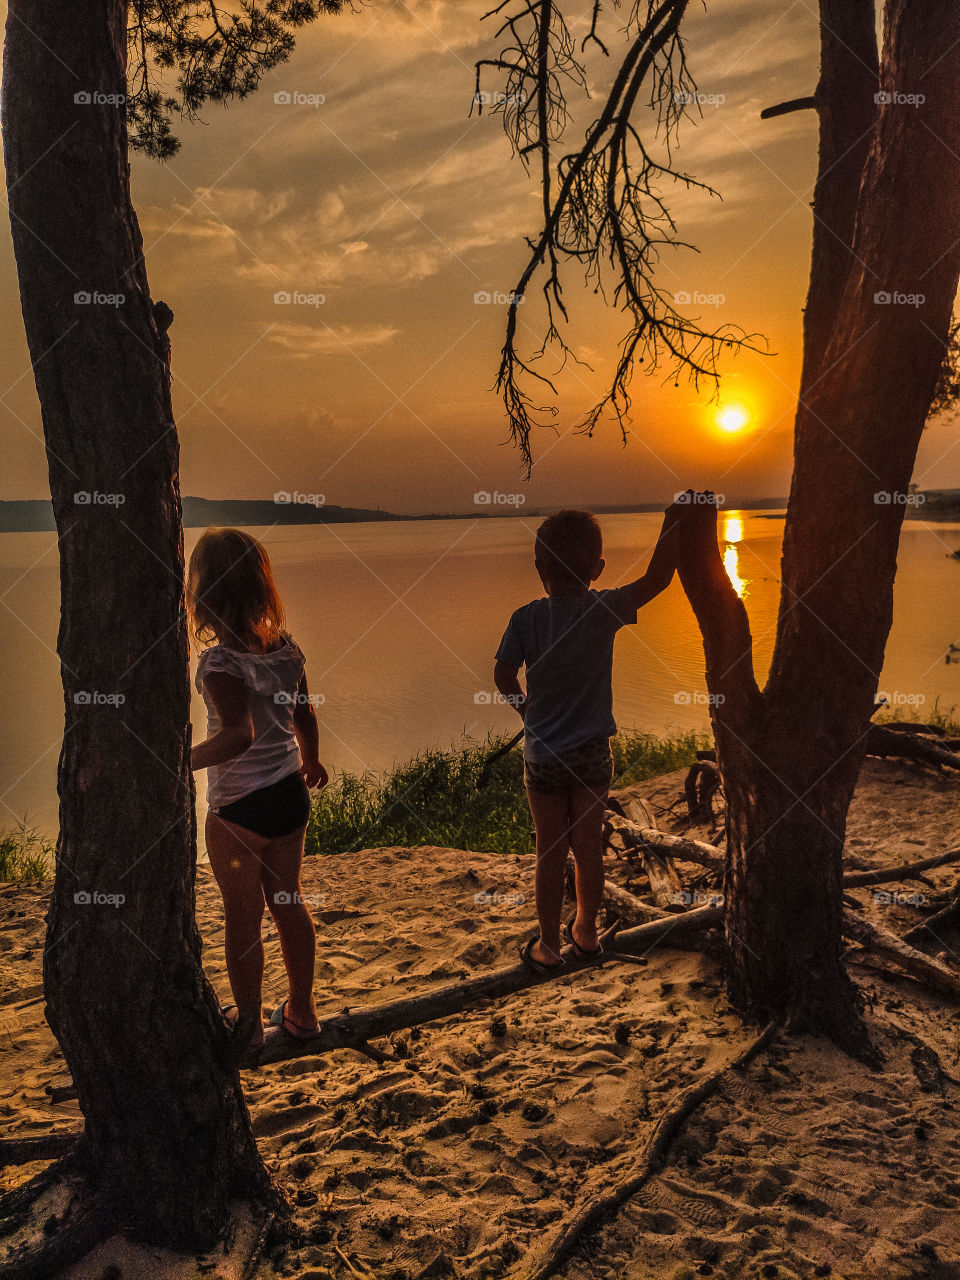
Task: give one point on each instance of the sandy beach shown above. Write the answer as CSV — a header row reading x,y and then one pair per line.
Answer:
x,y
468,1147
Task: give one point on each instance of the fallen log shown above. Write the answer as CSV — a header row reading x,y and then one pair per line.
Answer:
x,y
684,850
887,742
881,942
354,1028
42,1146
630,908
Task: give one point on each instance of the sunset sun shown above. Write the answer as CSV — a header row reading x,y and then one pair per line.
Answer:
x,y
732,419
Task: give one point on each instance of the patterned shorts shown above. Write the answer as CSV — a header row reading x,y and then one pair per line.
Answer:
x,y
589,765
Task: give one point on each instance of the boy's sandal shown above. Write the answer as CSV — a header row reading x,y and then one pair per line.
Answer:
x,y
279,1018
581,952
538,966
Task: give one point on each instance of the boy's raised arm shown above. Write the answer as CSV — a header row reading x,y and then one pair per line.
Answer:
x,y
663,561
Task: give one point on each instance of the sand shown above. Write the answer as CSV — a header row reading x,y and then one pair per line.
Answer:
x,y
460,1155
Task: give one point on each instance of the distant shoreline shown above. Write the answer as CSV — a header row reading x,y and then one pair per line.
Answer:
x,y
35,515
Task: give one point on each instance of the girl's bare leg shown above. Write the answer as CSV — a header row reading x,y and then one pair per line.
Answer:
x,y
551,818
235,857
280,878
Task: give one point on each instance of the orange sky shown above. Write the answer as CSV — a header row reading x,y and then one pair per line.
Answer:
x,y
397,206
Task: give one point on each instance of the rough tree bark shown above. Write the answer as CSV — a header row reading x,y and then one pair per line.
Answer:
x,y
167,1140
886,214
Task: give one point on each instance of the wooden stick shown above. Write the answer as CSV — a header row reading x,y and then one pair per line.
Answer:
x,y
698,851
926,932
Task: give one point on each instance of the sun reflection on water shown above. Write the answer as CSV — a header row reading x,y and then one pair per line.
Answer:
x,y
732,537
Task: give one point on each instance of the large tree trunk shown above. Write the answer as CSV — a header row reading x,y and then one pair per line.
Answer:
x,y
790,755
167,1141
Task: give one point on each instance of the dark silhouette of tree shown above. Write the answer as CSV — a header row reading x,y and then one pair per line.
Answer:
x,y
167,1146
885,215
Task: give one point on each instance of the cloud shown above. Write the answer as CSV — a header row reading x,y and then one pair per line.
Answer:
x,y
304,341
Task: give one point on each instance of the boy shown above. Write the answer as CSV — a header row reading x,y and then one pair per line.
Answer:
x,y
566,642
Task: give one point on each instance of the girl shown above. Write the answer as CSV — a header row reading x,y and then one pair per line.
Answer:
x,y
261,754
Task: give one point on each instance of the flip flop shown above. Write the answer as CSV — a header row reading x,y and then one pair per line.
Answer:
x,y
280,1019
581,952
538,967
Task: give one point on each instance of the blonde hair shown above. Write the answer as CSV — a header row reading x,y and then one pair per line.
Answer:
x,y
231,595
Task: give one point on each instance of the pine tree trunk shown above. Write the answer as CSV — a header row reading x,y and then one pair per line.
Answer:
x,y
790,754
167,1139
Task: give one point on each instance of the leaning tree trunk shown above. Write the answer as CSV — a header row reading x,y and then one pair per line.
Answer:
x,y
167,1140
790,754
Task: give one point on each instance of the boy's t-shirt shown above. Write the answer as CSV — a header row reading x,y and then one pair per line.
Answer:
x,y
566,644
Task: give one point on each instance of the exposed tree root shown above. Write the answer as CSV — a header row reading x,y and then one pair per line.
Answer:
x,y
701,784
45,1146
58,1244
605,1193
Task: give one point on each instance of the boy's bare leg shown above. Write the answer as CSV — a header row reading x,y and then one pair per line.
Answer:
x,y
586,845
551,818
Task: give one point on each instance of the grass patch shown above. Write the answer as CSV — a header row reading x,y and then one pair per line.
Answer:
x,y
434,800
25,855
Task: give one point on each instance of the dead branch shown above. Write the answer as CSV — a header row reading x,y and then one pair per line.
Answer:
x,y
634,836
617,1181
699,787
888,946
906,871
926,932
45,1146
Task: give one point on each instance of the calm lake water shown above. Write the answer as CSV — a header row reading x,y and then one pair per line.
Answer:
x,y
400,622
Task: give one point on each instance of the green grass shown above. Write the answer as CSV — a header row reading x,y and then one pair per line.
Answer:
x,y
433,799
25,855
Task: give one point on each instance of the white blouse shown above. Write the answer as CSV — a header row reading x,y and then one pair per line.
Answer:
x,y
272,680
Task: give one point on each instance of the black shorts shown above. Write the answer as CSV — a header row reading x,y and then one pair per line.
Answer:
x,y
588,765
277,810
